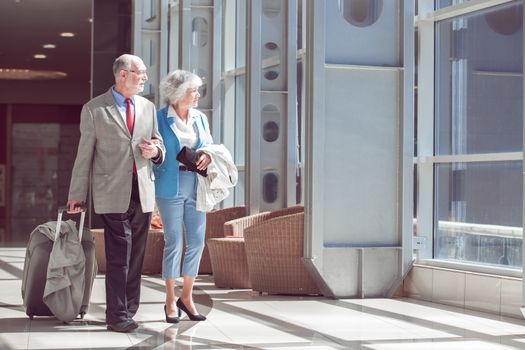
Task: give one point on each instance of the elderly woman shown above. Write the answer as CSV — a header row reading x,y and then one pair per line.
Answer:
x,y
180,124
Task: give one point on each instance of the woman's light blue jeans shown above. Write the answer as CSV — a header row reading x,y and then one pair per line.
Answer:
x,y
175,212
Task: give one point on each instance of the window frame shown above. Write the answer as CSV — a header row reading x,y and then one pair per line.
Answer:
x,y
425,159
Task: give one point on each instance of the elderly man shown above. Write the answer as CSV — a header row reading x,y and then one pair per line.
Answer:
x,y
119,142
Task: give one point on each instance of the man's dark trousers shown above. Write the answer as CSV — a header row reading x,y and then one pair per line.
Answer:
x,y
125,241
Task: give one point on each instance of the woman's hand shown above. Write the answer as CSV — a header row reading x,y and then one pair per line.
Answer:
x,y
204,161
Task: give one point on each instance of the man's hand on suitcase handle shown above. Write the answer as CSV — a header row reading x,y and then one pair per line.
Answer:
x,y
75,207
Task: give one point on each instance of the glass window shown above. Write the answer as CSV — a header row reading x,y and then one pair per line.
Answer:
x,y
240,137
270,131
199,32
239,120
445,3
41,172
233,88
241,33
270,187
479,92
479,212
478,206
361,13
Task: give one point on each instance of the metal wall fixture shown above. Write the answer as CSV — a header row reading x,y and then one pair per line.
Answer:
x,y
271,106
359,154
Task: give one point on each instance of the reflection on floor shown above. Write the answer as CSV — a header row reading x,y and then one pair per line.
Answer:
x,y
241,319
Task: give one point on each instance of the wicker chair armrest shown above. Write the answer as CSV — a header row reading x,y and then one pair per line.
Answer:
x,y
280,235
215,220
236,227
299,208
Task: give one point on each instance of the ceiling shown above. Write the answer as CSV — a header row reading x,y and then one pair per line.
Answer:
x,y
26,25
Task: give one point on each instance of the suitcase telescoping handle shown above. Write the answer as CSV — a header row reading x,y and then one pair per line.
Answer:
x,y
61,211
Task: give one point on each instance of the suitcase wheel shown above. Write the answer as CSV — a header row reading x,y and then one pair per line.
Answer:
x,y
31,317
82,315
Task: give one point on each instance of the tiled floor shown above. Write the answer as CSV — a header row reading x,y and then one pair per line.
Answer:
x,y
240,319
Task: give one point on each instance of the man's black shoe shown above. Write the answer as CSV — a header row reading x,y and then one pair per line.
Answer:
x,y
123,327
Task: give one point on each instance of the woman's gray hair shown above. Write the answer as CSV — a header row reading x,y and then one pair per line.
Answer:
x,y
174,86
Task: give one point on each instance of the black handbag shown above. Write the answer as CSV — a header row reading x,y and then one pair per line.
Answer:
x,y
189,158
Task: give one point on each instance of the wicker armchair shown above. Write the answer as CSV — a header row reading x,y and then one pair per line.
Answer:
x,y
236,227
215,229
228,260
274,251
228,256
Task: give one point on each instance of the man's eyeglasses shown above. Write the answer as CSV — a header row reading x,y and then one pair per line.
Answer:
x,y
138,72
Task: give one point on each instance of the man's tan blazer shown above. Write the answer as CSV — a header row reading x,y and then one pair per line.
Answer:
x,y
106,153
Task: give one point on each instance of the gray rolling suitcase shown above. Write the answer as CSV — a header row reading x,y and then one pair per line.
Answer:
x,y
37,259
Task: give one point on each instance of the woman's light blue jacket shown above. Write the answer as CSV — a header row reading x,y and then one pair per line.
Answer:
x,y
167,174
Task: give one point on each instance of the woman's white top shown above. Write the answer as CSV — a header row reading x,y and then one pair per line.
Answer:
x,y
185,131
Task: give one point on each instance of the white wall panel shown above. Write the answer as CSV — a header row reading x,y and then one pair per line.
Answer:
x,y
361,156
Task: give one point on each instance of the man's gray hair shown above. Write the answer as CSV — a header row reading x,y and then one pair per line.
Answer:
x,y
174,86
124,62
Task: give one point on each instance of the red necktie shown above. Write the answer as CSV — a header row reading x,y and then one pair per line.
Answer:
x,y
130,121
130,118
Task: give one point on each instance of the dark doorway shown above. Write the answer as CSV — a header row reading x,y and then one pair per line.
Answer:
x,y
45,77
59,54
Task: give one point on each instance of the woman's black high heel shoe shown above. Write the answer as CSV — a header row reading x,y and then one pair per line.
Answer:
x,y
181,306
171,319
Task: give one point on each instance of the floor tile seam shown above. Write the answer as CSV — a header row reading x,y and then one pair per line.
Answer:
x,y
442,326
459,314
218,329
252,315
